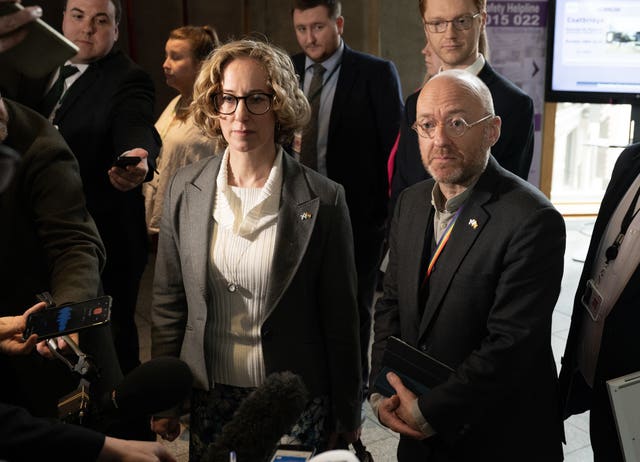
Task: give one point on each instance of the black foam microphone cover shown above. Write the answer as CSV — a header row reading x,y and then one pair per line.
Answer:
x,y
154,386
261,419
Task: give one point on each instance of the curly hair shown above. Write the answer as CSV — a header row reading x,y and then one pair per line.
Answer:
x,y
290,105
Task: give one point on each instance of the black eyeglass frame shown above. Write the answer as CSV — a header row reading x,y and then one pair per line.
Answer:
x,y
237,99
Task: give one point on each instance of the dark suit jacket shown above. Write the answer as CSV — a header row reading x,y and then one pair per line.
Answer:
x,y
488,316
52,243
26,438
311,327
48,242
107,111
513,150
619,350
364,123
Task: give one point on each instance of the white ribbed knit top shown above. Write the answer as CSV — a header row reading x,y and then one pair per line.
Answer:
x,y
241,253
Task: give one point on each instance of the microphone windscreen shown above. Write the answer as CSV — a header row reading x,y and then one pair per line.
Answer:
x,y
261,419
154,386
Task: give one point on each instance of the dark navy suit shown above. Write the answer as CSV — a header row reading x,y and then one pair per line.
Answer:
x,y
364,122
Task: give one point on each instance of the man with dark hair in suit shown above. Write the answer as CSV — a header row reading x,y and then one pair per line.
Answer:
x,y
476,258
102,104
356,110
454,30
602,342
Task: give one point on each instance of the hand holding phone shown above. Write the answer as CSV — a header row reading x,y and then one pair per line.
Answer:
x,y
22,49
67,319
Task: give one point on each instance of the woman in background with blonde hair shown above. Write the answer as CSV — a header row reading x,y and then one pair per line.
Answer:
x,y
182,142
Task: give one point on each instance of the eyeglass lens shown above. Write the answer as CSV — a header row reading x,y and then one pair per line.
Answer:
x,y
257,103
460,23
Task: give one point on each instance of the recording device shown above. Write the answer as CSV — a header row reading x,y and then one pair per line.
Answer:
x,y
27,57
66,319
261,419
123,161
292,453
155,386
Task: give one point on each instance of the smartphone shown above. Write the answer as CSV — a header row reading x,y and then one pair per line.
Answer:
x,y
123,161
67,319
27,57
292,453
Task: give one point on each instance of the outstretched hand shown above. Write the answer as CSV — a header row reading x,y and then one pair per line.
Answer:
x,y
11,329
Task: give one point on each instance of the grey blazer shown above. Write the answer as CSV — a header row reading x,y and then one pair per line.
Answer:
x,y
311,327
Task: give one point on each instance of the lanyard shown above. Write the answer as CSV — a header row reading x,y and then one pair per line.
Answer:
x,y
612,251
440,246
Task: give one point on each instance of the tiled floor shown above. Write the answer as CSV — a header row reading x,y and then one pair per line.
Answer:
x,y
380,441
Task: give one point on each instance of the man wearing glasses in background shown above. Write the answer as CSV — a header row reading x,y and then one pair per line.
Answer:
x,y
454,28
476,258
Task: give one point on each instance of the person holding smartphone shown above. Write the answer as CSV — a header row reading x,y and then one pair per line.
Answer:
x,y
11,32
27,438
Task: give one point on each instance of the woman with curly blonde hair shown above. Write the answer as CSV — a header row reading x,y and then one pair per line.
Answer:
x,y
255,270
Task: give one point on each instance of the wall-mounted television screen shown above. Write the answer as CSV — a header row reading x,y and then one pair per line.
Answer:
x,y
593,51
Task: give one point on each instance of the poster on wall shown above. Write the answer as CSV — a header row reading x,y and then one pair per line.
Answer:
x,y
516,30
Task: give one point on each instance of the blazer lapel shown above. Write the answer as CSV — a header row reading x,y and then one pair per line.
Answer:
x,y
296,221
346,81
419,220
199,197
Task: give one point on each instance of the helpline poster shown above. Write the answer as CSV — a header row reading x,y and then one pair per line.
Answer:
x,y
516,30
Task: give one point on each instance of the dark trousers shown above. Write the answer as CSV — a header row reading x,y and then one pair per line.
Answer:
x,y
122,282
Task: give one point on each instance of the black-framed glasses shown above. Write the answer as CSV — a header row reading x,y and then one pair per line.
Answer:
x,y
463,22
454,127
256,103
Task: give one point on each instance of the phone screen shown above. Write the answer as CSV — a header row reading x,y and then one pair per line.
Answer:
x,y
66,319
292,453
123,161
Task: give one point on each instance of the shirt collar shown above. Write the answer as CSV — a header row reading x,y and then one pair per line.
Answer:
x,y
452,205
227,210
475,68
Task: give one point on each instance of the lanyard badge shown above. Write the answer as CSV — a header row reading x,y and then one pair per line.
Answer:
x,y
592,300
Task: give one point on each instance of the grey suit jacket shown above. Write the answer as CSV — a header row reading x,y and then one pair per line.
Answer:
x,y
312,324
487,315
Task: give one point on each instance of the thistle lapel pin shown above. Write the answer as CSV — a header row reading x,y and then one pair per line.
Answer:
x,y
305,216
473,223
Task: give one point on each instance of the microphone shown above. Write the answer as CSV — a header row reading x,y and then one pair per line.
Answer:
x,y
261,419
155,386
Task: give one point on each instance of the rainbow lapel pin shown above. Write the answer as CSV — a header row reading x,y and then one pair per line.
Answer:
x,y
473,223
305,216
